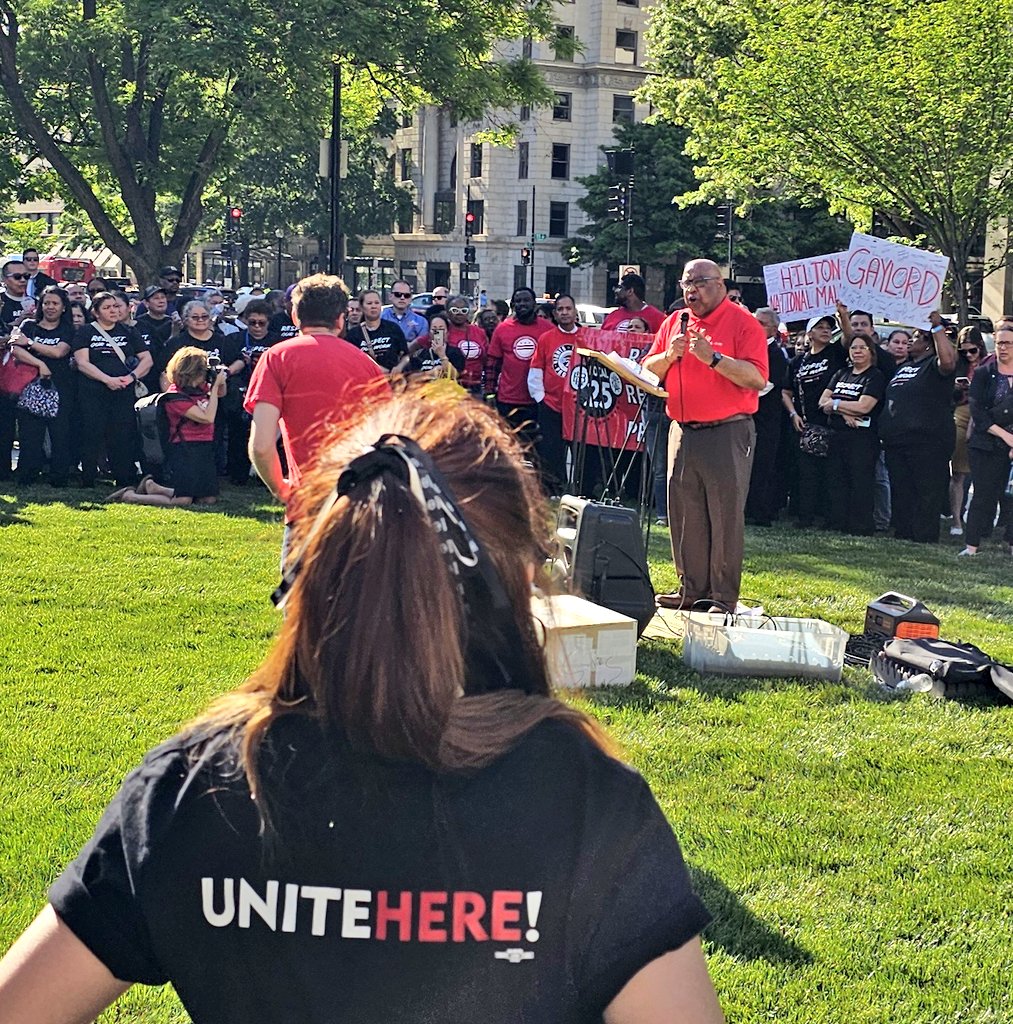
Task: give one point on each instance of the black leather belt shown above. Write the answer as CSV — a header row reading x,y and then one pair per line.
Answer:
x,y
716,423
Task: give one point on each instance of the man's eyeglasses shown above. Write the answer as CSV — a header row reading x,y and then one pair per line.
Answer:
x,y
458,309
19,277
402,295
1007,341
256,323
695,282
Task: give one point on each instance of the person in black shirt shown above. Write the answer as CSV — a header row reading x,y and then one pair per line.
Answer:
x,y
106,390
763,502
851,403
916,428
807,379
282,325
45,344
256,338
384,832
156,329
382,340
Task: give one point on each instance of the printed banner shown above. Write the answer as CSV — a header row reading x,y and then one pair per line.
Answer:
x,y
615,420
895,282
800,289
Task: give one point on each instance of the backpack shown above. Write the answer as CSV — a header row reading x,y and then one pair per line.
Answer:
x,y
153,426
956,669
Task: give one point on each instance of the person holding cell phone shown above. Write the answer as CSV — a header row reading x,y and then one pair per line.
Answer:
x,y
851,403
432,356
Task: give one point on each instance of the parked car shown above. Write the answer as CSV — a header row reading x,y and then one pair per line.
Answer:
x,y
592,316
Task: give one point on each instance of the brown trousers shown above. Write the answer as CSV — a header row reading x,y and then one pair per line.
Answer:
x,y
708,482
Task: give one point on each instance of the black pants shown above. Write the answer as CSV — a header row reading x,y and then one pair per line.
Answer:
x,y
32,437
919,478
813,484
237,459
765,487
108,424
8,420
989,473
523,420
852,469
552,449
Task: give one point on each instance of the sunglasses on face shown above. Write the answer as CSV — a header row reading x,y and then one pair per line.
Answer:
x,y
969,351
402,295
199,316
256,323
458,309
19,277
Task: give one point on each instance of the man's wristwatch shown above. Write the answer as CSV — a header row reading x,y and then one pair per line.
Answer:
x,y
715,359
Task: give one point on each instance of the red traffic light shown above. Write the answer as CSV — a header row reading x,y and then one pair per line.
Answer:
x,y
237,212
469,217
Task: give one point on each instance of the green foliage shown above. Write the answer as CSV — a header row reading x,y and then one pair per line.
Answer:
x,y
847,842
148,104
665,232
16,235
894,105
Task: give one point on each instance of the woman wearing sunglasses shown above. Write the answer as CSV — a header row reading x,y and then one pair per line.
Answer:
x,y
970,351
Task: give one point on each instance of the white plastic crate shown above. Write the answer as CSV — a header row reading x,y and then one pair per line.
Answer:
x,y
763,646
586,644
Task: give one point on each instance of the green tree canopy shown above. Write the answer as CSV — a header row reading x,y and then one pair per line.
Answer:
x,y
891,105
139,108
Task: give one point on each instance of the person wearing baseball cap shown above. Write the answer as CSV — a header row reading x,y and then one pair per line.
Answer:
x,y
156,328
169,280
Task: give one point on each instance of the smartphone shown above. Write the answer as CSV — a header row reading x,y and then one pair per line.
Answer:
x,y
962,382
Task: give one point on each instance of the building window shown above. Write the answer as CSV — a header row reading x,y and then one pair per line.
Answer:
x,y
526,48
562,46
477,207
405,221
453,171
560,160
562,106
406,165
629,3
520,276
622,110
626,47
559,217
557,280
476,160
444,213
525,114
522,217
523,154
406,120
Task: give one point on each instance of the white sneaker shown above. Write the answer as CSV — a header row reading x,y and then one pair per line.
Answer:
x,y
967,552
956,531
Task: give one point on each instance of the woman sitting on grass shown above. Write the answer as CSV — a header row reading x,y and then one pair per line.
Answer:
x,y
386,833
191,455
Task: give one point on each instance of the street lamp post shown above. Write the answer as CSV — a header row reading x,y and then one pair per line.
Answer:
x,y
280,235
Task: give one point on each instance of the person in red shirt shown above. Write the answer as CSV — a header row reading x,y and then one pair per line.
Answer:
x,y
305,385
630,294
472,341
510,351
711,358
546,379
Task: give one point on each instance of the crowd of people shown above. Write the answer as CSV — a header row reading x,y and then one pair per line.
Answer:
x,y
855,431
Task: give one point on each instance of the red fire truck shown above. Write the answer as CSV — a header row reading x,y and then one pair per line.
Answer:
x,y
61,269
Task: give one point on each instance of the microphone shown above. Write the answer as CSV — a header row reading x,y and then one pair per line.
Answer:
x,y
683,323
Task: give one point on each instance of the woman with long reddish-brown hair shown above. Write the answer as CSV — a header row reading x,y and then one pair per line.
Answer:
x,y
391,820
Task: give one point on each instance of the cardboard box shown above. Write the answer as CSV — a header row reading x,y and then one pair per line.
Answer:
x,y
585,644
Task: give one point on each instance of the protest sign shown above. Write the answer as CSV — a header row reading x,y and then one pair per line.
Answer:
x,y
800,289
895,282
616,421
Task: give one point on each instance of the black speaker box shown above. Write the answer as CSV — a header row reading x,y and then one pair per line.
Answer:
x,y
600,555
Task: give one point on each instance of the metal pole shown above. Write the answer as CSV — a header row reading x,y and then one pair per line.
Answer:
x,y
532,271
280,240
629,220
336,255
731,241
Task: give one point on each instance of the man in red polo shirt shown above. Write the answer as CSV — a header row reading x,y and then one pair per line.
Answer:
x,y
305,385
711,358
630,294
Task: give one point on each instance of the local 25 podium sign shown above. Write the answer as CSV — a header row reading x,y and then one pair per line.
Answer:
x,y
613,406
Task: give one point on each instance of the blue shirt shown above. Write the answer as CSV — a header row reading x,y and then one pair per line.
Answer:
x,y
412,324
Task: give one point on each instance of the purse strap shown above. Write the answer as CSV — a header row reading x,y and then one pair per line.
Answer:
x,y
370,351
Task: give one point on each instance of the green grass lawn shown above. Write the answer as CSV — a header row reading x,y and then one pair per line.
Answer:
x,y
854,847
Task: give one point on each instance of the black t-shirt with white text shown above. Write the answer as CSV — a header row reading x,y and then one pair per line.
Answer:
x,y
47,338
101,353
808,377
281,326
228,347
156,334
531,890
385,344
848,386
918,406
425,360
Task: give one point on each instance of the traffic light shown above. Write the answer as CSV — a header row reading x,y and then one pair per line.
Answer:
x,y
526,256
469,224
469,254
723,219
234,220
617,202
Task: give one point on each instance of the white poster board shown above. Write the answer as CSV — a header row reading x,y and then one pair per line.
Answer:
x,y
891,281
800,289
